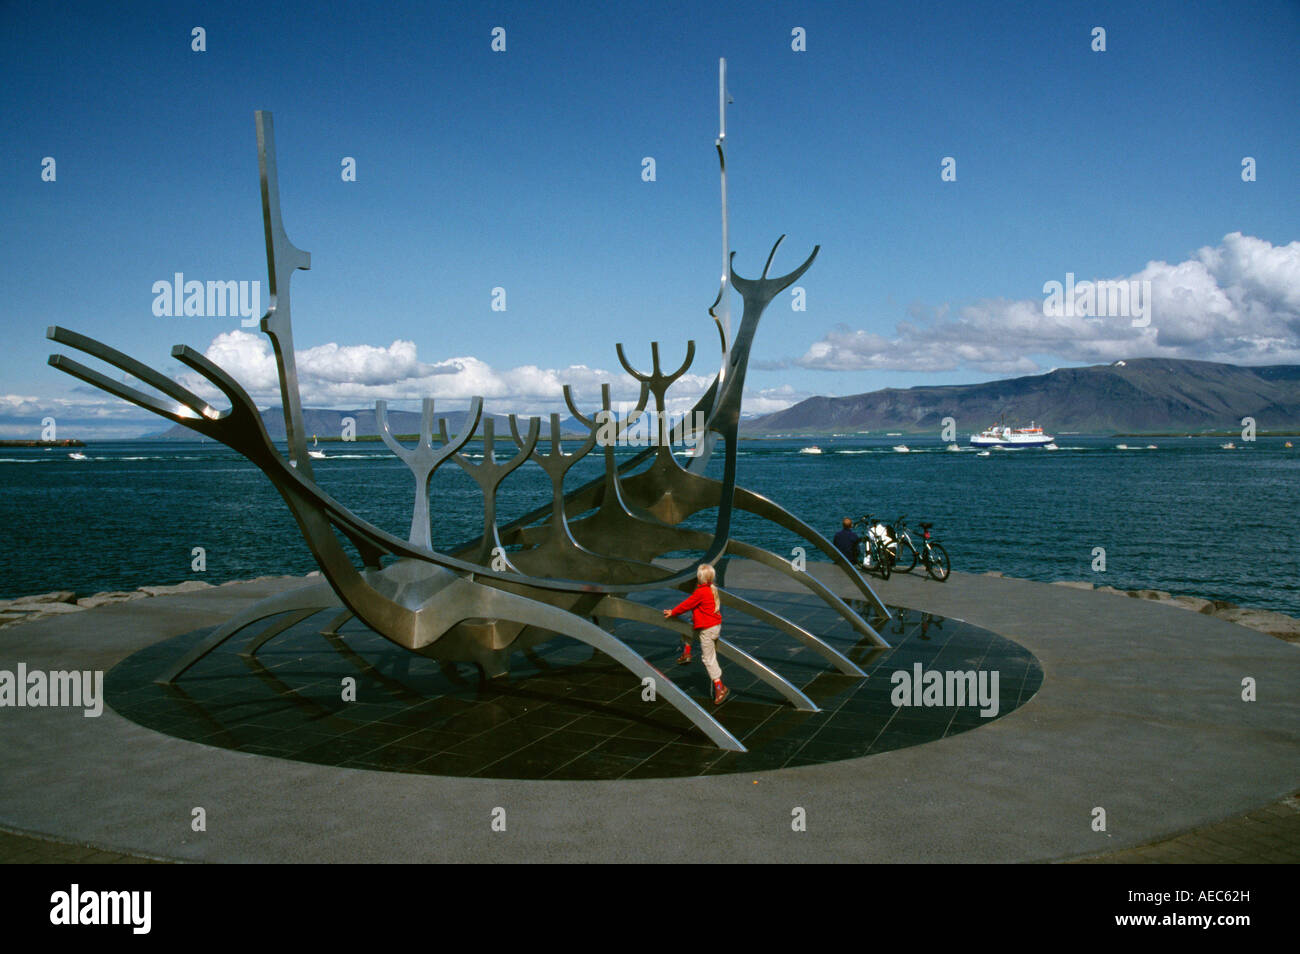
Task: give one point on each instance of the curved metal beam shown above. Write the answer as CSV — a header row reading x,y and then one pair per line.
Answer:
x,y
504,605
836,658
315,597
761,506
772,561
756,667
618,608
276,628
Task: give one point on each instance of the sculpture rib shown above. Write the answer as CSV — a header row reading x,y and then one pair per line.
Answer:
x,y
316,597
617,608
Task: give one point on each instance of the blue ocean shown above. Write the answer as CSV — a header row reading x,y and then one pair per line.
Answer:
x,y
1186,515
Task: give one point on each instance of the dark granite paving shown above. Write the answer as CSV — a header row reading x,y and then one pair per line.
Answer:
x,y
1267,836
565,712
21,849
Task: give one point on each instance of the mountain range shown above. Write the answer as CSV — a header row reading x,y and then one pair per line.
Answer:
x,y
328,424
1133,396
1137,395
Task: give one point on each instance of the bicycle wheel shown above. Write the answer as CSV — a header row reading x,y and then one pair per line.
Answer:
x,y
907,556
937,564
881,556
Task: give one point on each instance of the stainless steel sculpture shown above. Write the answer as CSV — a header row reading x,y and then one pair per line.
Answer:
x,y
544,574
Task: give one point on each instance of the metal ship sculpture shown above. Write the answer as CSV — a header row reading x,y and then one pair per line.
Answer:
x,y
577,559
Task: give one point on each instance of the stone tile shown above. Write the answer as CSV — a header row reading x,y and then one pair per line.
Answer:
x,y
16,849
1269,835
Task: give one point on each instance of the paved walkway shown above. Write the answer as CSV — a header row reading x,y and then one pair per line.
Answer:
x,y
1269,836
1140,714
16,849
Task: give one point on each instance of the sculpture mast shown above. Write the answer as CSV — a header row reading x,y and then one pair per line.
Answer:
x,y
725,302
282,258
700,461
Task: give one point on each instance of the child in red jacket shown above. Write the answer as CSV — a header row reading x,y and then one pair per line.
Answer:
x,y
707,623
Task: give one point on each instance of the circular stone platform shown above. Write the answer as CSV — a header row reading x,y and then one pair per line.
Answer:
x,y
565,711
1140,712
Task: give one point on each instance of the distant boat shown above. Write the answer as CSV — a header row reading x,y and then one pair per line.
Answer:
x,y
894,434
1050,447
1001,436
953,447
315,454
1152,447
77,455
811,450
982,454
1121,447
1229,446
902,448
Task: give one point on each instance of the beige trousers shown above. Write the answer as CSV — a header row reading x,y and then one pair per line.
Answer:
x,y
709,650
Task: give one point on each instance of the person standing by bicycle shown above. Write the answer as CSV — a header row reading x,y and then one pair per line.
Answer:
x,y
846,541
707,623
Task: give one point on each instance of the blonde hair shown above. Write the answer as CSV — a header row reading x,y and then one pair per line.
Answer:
x,y
705,576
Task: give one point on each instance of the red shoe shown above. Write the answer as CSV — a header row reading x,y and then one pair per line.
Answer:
x,y
685,657
720,693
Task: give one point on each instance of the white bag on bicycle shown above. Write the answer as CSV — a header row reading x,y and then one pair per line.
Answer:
x,y
881,533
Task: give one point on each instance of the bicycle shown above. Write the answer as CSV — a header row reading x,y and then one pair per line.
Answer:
x,y
934,556
877,550
906,553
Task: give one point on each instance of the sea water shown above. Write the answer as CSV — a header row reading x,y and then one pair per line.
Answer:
x,y
1187,516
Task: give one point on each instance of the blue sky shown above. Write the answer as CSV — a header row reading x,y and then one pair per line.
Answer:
x,y
522,170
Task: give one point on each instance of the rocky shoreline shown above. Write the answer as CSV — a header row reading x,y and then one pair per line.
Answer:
x,y
1280,625
61,602
24,609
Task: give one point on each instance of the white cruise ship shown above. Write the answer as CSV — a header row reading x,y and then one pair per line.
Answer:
x,y
1002,436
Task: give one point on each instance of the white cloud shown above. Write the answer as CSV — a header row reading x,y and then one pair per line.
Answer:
x,y
344,376
97,414
1238,302
340,376
771,400
361,364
